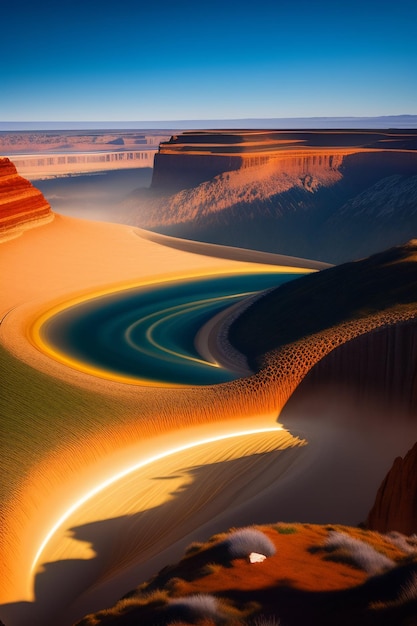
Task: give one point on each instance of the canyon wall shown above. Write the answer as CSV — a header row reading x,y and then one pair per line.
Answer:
x,y
51,165
250,181
377,368
42,154
192,158
174,172
22,206
395,506
315,195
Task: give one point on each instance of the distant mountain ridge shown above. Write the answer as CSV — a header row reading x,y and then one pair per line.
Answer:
x,y
382,121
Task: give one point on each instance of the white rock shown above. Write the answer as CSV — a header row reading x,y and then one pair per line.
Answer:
x,y
255,557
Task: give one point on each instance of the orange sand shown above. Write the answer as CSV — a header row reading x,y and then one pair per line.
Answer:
x,y
99,425
46,267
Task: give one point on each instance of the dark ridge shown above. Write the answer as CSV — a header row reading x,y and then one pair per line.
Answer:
x,y
318,301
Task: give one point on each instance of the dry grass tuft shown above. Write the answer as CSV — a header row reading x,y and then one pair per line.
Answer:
x,y
240,543
404,543
409,590
194,548
196,606
360,554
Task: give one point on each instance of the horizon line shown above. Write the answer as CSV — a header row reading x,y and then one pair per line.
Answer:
x,y
404,120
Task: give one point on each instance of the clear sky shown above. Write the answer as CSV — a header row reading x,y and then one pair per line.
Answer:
x,y
173,59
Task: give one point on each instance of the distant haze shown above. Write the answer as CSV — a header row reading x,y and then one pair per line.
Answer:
x,y
385,121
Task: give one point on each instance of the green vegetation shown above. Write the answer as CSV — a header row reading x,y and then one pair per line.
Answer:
x,y
285,530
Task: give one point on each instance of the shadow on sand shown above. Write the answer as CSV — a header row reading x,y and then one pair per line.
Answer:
x,y
130,548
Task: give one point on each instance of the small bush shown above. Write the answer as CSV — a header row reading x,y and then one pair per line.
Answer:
x,y
173,583
201,605
358,553
409,590
402,542
407,594
210,568
193,548
240,543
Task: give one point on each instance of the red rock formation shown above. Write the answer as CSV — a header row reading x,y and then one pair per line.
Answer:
x,y
22,206
395,506
246,180
192,158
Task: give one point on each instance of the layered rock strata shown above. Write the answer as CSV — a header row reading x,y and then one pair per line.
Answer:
x,y
192,157
317,195
22,206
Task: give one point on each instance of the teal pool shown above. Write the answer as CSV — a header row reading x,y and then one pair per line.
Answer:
x,y
148,333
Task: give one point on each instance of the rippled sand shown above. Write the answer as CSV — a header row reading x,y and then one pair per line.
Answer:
x,y
65,429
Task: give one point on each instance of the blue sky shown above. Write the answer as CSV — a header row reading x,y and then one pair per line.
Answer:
x,y
96,60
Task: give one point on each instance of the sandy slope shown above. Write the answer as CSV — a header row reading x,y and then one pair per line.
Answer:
x,y
64,428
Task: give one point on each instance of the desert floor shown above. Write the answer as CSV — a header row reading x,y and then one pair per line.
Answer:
x,y
105,481
66,431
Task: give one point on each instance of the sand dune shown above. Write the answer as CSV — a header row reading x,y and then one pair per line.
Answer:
x,y
62,426
65,429
137,524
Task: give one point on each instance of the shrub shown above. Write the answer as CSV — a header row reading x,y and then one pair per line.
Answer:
x,y
210,568
194,547
358,553
407,594
409,590
196,606
402,542
240,543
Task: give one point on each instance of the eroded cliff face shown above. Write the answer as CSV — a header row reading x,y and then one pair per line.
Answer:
x,y
249,180
192,158
395,506
377,368
315,195
22,206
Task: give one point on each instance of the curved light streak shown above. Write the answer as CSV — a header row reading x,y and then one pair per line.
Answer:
x,y
110,481
175,311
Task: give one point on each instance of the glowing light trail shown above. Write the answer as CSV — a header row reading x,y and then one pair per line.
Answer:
x,y
129,470
170,313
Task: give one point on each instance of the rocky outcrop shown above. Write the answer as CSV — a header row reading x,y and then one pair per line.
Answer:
x,y
22,206
192,158
174,172
329,196
248,181
313,575
349,294
395,506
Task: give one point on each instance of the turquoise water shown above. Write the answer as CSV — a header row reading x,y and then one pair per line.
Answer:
x,y
148,333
